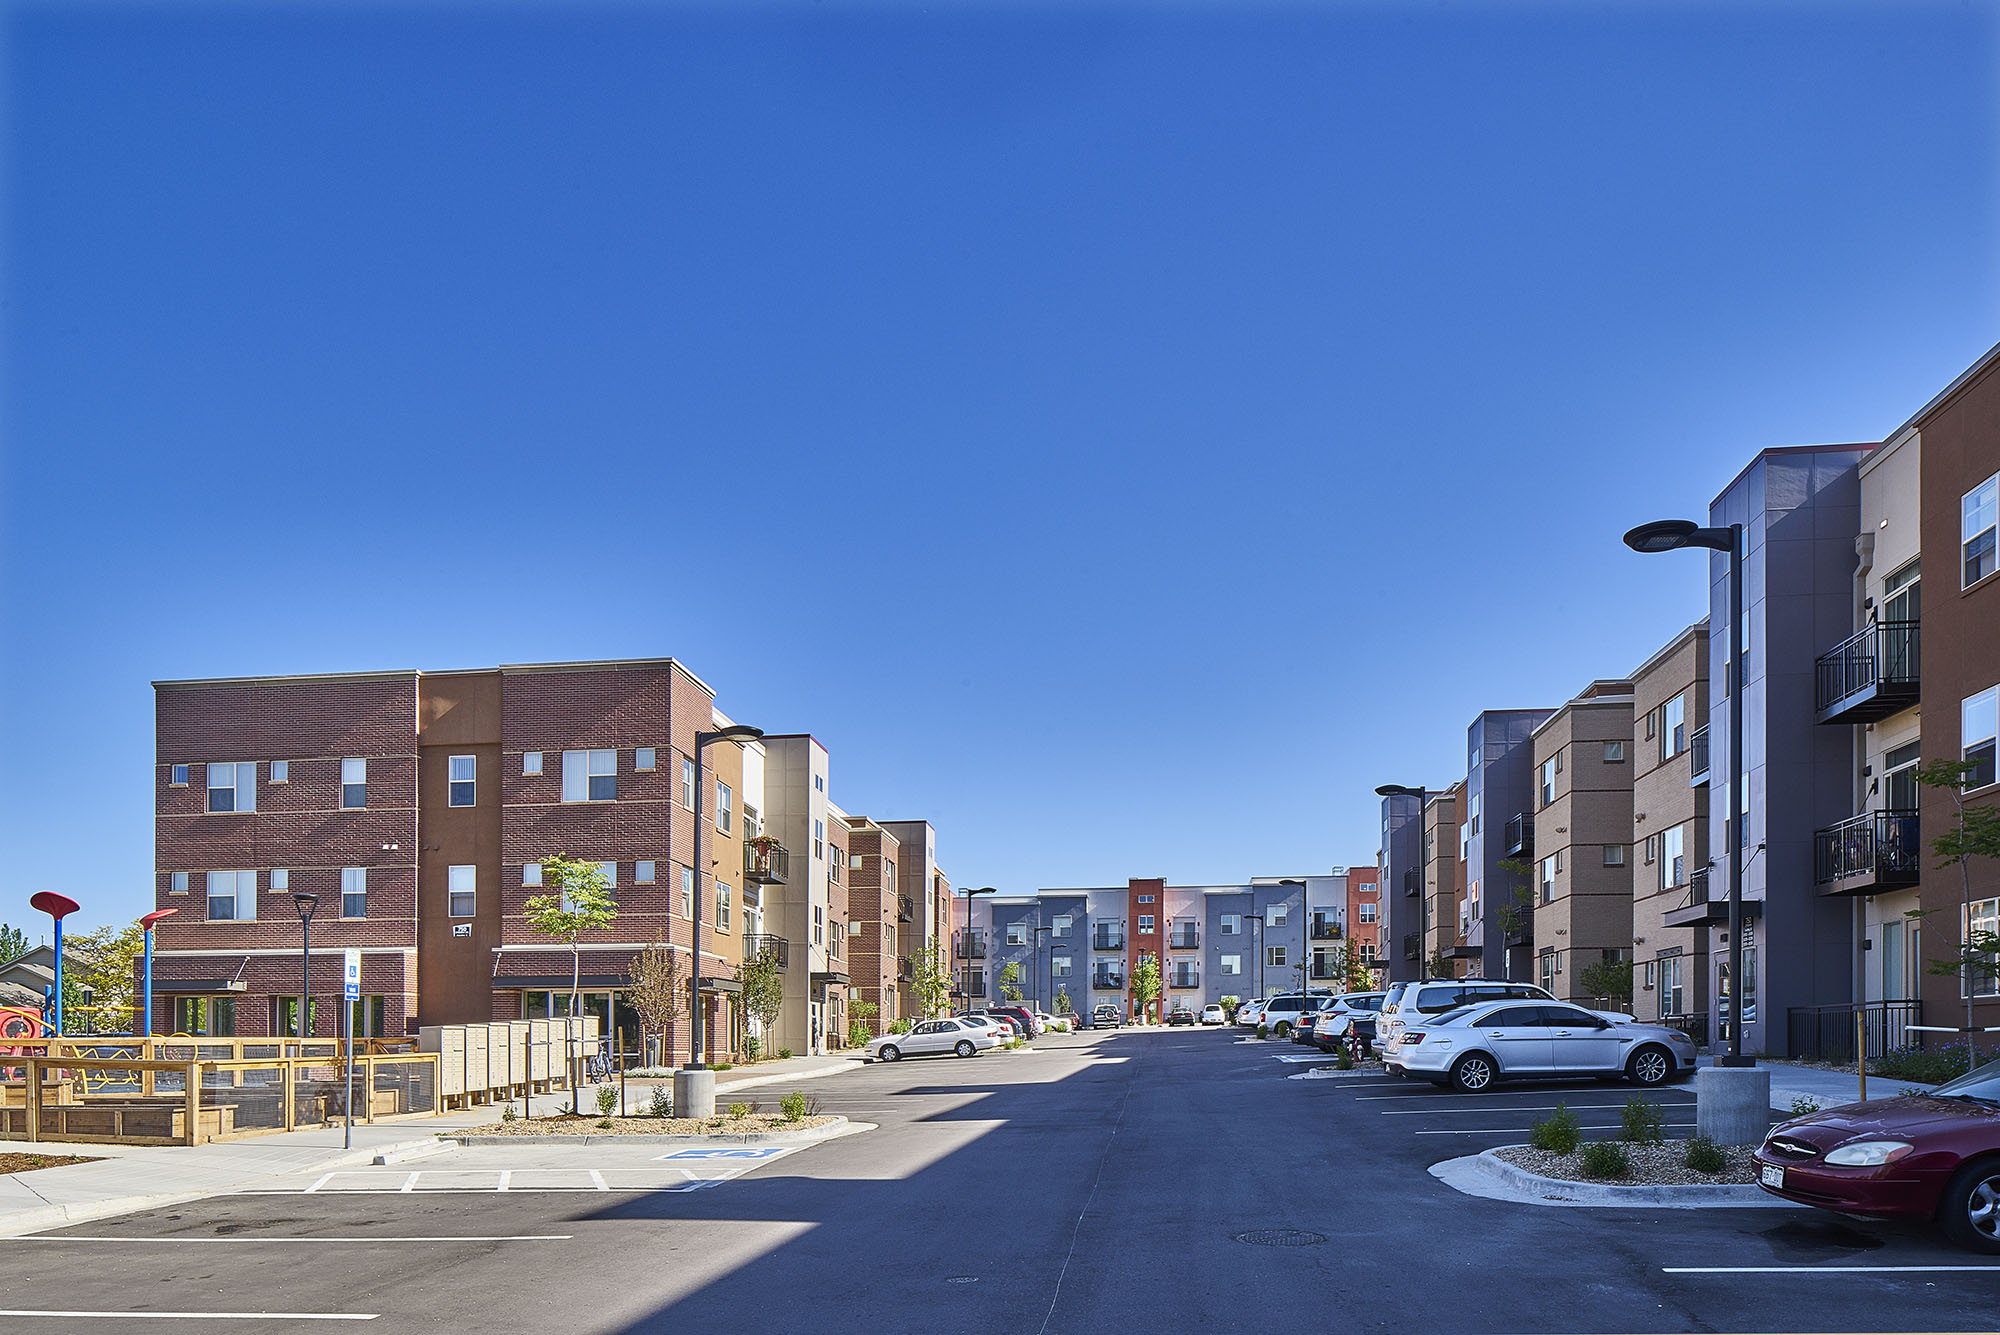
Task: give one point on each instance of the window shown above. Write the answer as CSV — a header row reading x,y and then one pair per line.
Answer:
x,y
281,880
1978,511
1652,724
819,840
687,892
353,784
1673,727
1652,849
1547,792
642,873
853,859
1673,990
1614,753
281,771
1559,759
819,782
531,873
1277,918
1673,866
1062,924
1232,964
177,883
1059,965
722,895
531,762
461,884
1614,855
1547,962
179,777
1231,924
687,783
1145,899
725,807
888,872
1274,956
1646,977
1365,912
645,759
1473,805
609,871
232,896
210,1017
1559,859
1145,922
353,892
464,772
232,787
1983,917
590,776
1547,879
1979,726
1017,934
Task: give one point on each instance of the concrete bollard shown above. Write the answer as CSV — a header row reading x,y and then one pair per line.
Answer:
x,y
694,1093
1732,1104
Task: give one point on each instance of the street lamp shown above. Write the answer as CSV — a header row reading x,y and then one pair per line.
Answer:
x,y
1305,939
147,924
1666,535
305,902
1423,900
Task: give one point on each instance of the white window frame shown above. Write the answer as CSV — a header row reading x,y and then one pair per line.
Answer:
x,y
531,874
645,872
1059,966
687,783
281,771
461,890
688,895
1060,925
1274,957
281,880
1614,753
177,882
1545,879
1231,965
453,783
1983,916
354,774
1017,934
242,896
242,776
1231,924
1980,506
1673,727
531,762
1276,918
1145,922
1614,855
354,883
725,806
1673,847
1979,728
177,776
722,906
581,772
1365,912
645,759
1545,787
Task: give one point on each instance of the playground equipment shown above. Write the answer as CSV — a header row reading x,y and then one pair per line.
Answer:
x,y
57,907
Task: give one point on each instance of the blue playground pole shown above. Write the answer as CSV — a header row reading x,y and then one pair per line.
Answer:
x,y
58,998
147,1032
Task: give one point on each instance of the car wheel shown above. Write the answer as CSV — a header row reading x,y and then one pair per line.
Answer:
x,y
1970,1207
890,1053
964,1048
1473,1073
1650,1066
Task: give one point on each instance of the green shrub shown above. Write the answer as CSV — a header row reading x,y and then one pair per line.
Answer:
x,y
752,1046
794,1105
1803,1104
507,1114
784,1054
1341,1060
1645,1121
607,1099
1558,1133
1263,1030
738,1111
722,1066
1606,1158
1932,1067
1705,1156
662,1104
604,1124
900,1027
858,1034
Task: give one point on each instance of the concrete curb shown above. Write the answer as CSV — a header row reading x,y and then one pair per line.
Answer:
x,y
844,1065
840,1126
1489,1176
1332,1073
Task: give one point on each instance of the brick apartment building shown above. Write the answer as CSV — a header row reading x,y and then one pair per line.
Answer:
x,y
872,853
418,806
1364,917
1575,836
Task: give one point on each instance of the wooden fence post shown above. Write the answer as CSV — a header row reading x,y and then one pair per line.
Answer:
x,y
193,1097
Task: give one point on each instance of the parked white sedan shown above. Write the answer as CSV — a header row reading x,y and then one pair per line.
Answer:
x,y
933,1038
1212,1015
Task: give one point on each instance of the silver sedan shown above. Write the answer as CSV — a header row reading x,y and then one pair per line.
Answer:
x,y
1472,1048
934,1037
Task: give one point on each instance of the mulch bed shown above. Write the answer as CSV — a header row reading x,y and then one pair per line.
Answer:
x,y
1652,1165
568,1124
23,1163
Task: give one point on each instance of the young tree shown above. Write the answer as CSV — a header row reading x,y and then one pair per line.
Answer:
x,y
1609,980
1063,1005
1441,965
1517,913
931,980
1145,983
1010,979
578,900
102,960
13,943
861,1023
1974,834
763,984
655,990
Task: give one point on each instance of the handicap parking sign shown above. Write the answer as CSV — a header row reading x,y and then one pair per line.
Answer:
x,y
747,1152
350,986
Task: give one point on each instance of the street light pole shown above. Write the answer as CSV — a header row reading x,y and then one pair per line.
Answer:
x,y
1258,937
305,902
1305,939
982,890
1423,900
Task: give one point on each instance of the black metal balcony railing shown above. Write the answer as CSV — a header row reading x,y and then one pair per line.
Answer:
x,y
1698,757
1326,931
1870,675
906,969
1873,852
971,946
1412,884
1185,978
1325,969
1183,938
1520,840
1694,1026
757,944
1826,1033
1107,980
1412,946
1107,940
906,909
766,863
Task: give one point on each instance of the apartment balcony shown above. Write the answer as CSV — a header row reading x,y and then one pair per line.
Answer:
x,y
1520,838
1326,931
1706,900
1412,946
1187,978
906,969
1324,969
1874,852
1698,758
766,862
1102,940
1870,675
1107,982
906,909
758,944
1413,884
1184,937
970,946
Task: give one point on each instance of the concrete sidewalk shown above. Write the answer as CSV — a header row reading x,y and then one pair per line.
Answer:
x,y
1829,1089
140,1177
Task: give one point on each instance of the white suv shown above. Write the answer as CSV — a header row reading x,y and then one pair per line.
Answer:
x,y
1282,1012
1407,1003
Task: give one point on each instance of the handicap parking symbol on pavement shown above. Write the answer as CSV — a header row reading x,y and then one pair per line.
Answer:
x,y
749,1152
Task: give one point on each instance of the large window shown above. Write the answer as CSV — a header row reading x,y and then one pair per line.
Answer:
x,y
1145,922
1979,725
464,781
232,787
1062,924
1978,512
723,897
353,784
461,885
1673,865
687,783
725,807
208,1017
1232,964
1547,964
1980,923
1673,986
1231,924
1274,956
353,892
232,896
1547,787
1546,878
1059,965
687,892
1365,912
590,776
1017,934
1673,727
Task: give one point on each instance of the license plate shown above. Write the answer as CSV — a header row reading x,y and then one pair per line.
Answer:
x,y
1772,1175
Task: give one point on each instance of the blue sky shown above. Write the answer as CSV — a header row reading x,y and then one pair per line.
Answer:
x,y
1125,434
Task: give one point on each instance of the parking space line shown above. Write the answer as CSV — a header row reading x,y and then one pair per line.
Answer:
x,y
324,1179
506,1177
240,1239
410,1182
597,1180
1819,1269
72,1314
1437,1094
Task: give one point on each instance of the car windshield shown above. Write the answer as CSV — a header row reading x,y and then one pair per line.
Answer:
x,y
1982,1084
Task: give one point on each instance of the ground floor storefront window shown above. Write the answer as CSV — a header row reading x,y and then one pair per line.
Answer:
x,y
208,1017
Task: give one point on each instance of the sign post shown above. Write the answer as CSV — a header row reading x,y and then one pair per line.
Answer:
x,y
350,992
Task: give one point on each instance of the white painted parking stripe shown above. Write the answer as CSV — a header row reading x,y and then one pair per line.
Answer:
x,y
410,1183
506,1176
451,1237
74,1314
1819,1269
597,1180
324,1179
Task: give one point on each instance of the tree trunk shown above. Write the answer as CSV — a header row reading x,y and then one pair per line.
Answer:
x,y
575,974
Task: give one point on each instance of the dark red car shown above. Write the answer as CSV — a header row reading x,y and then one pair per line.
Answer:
x,y
1926,1156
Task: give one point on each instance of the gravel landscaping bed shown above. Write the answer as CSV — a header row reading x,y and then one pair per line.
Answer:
x,y
1652,1165
22,1163
567,1124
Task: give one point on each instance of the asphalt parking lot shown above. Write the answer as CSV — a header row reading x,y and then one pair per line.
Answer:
x,y
1103,1183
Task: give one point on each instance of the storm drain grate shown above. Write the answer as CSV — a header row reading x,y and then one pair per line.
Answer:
x,y
1281,1237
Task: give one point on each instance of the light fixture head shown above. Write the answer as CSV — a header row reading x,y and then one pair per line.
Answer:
x,y
305,902
737,732
1662,535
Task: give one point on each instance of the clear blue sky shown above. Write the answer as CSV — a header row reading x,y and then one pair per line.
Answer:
x,y
1125,435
